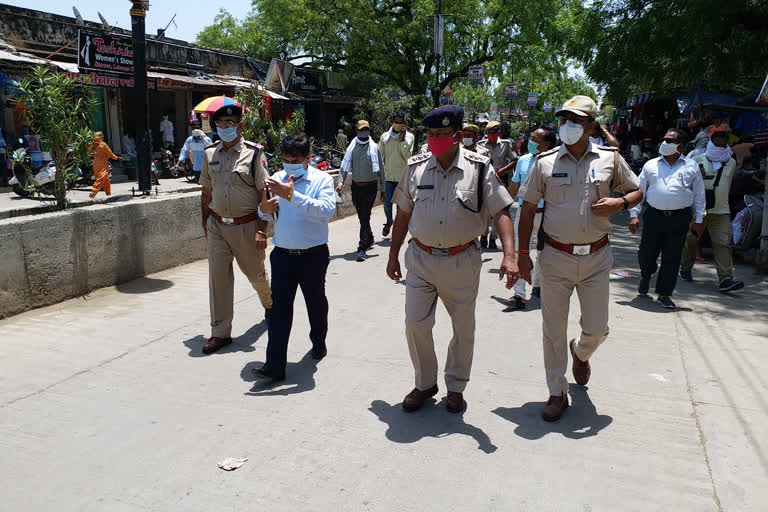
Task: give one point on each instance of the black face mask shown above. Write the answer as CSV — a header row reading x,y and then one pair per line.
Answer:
x,y
363,136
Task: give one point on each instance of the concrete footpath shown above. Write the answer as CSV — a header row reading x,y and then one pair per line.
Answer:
x,y
107,403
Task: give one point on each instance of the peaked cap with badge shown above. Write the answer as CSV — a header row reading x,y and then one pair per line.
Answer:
x,y
449,115
228,110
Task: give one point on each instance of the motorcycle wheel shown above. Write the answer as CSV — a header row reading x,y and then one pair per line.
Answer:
x,y
20,191
48,189
189,175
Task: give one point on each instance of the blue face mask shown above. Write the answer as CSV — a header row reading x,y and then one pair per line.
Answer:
x,y
363,136
227,134
297,170
533,147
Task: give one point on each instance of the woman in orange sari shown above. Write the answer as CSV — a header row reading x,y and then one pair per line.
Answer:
x,y
101,155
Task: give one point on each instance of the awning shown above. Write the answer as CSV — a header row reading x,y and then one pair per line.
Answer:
x,y
273,95
169,80
20,58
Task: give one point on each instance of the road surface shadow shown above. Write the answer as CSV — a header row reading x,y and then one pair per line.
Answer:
x,y
647,303
432,420
352,256
144,285
532,304
299,378
243,343
580,420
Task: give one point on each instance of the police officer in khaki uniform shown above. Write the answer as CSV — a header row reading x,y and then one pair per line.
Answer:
x,y
444,199
471,133
233,187
577,181
503,158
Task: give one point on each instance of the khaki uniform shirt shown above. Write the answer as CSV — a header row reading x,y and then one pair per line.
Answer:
x,y
480,150
723,187
569,189
501,153
227,172
432,196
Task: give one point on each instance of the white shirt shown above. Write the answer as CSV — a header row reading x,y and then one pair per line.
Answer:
x,y
166,128
672,188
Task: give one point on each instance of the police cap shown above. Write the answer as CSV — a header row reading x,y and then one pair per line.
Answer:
x,y
228,110
449,115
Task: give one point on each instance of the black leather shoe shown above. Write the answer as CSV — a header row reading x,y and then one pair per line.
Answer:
x,y
269,373
536,291
319,352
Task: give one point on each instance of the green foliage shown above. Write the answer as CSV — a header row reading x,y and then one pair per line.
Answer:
x,y
390,42
631,46
254,127
58,110
378,108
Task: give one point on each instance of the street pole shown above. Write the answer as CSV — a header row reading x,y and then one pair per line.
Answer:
x,y
143,147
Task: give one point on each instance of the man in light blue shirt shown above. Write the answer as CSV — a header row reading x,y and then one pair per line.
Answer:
x,y
302,203
194,149
540,141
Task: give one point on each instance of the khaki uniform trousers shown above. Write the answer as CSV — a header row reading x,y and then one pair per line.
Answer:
x,y
455,280
560,273
719,227
225,242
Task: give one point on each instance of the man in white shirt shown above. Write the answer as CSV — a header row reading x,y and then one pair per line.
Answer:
x,y
671,185
166,129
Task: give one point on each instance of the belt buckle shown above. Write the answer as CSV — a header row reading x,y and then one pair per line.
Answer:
x,y
581,250
440,252
227,220
667,213
295,252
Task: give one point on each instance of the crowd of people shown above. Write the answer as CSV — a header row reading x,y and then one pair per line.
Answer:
x,y
454,198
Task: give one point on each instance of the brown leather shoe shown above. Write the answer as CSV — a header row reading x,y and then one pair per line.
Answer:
x,y
415,399
581,369
215,344
385,229
555,407
455,402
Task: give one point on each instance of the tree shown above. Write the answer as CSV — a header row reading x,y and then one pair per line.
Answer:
x,y
59,110
390,40
631,46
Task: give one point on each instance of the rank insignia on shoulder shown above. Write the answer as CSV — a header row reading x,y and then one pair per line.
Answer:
x,y
215,144
608,148
476,157
419,158
548,152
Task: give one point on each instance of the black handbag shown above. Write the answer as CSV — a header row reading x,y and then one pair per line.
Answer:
x,y
710,194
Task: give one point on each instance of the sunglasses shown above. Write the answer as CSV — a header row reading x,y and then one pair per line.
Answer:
x,y
670,141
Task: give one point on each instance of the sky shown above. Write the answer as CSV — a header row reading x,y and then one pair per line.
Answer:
x,y
191,15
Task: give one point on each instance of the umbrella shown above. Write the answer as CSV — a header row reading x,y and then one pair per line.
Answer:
x,y
214,103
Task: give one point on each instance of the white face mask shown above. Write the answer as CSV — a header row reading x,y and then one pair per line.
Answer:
x,y
467,141
571,133
667,148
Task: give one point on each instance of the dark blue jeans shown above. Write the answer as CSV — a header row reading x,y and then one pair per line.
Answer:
x,y
389,191
290,271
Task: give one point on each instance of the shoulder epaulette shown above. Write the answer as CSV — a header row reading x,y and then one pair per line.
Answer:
x,y
608,148
251,144
212,145
416,159
476,157
548,152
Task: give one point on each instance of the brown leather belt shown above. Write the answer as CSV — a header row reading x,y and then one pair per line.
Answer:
x,y
578,249
245,219
443,252
363,183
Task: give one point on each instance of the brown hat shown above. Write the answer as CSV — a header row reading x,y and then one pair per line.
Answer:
x,y
580,105
471,128
363,124
493,125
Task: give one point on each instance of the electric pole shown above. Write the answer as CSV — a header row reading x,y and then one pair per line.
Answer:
x,y
143,147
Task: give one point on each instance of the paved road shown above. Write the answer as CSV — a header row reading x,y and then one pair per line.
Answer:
x,y
106,403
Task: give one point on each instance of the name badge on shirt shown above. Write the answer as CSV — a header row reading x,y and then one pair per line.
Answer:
x,y
422,187
559,174
214,163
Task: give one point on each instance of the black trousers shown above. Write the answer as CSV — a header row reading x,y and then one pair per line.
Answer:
x,y
363,197
290,271
665,235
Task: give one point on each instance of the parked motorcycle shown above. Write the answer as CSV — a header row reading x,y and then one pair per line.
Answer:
x,y
319,160
25,184
165,162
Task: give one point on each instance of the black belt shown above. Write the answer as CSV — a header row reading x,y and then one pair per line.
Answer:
x,y
669,213
301,252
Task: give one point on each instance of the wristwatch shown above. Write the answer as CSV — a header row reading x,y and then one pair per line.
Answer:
x,y
626,203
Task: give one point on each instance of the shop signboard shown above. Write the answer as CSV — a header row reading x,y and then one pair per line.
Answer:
x,y
533,99
98,80
547,106
510,91
104,52
475,75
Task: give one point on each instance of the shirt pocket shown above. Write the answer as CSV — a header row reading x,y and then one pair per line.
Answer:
x,y
465,202
557,189
423,199
600,184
